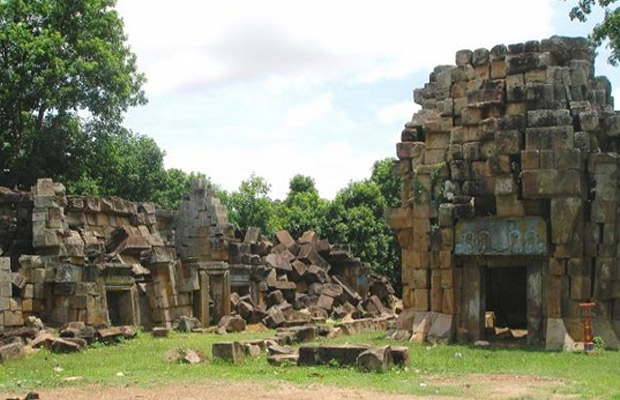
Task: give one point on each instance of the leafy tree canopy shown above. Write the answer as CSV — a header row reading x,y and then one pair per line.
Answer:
x,y
251,205
302,209
608,29
60,59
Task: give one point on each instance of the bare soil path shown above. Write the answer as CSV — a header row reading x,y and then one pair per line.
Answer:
x,y
475,386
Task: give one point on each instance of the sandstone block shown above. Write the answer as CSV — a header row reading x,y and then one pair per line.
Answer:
x,y
344,355
549,138
547,183
375,360
411,150
11,351
400,218
228,351
464,57
509,142
566,216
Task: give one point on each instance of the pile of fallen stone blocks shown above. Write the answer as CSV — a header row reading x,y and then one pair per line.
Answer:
x,y
71,338
301,284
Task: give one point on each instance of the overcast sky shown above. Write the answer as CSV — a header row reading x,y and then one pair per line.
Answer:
x,y
320,88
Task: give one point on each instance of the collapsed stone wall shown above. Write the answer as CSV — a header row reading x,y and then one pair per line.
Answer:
x,y
108,261
90,259
512,160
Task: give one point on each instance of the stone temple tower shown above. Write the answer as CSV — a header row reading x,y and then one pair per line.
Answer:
x,y
510,206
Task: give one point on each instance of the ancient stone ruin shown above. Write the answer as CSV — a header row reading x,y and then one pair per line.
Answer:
x,y
510,198
78,261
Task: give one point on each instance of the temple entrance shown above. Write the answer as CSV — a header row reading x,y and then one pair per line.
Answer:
x,y
120,310
506,303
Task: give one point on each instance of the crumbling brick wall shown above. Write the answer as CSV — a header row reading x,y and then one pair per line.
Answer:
x,y
520,134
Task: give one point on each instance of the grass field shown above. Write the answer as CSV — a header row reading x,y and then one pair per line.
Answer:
x,y
141,363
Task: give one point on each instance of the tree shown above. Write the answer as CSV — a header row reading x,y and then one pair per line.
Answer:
x,y
59,58
251,205
357,217
301,184
608,29
389,183
302,209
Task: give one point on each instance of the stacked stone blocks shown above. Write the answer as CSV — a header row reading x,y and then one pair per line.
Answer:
x,y
520,130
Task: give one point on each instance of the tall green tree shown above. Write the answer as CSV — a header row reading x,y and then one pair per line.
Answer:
x,y
302,209
59,59
250,205
606,30
356,217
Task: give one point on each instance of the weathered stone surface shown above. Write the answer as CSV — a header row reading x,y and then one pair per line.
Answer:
x,y
308,355
400,356
375,359
285,238
283,359
275,298
274,319
442,329
11,351
109,335
228,351
160,332
305,333
342,354
274,349
421,326
566,217
64,346
83,344
547,183
405,320
232,323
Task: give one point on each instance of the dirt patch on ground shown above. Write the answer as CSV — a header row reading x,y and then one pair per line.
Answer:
x,y
501,386
474,386
218,391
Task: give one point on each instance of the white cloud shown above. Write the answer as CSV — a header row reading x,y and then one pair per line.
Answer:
x,y
396,113
304,115
200,43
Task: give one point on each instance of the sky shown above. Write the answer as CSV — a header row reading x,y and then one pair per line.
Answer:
x,y
319,88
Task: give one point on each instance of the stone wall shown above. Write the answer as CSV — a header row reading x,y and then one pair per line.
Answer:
x,y
512,161
108,261
94,260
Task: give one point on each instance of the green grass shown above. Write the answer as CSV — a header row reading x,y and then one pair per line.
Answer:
x,y
141,362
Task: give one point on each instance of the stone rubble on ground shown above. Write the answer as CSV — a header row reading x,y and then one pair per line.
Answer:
x,y
307,281
71,338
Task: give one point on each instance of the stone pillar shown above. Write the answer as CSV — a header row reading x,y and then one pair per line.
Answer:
x,y
203,300
534,304
473,301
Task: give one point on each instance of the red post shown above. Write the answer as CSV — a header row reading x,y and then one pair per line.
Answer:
x,y
588,334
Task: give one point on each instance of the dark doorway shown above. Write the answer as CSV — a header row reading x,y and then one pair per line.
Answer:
x,y
506,302
119,307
